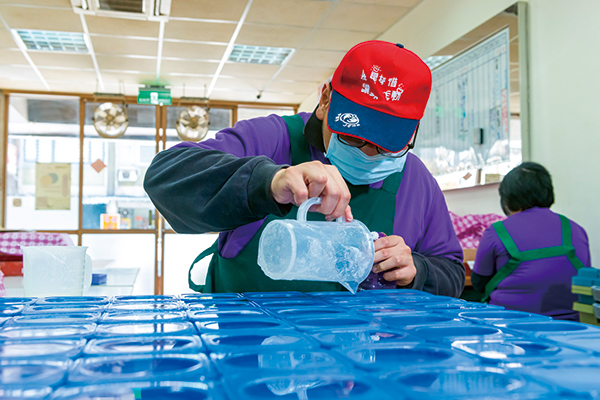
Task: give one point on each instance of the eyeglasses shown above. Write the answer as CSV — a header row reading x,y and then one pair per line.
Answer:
x,y
358,143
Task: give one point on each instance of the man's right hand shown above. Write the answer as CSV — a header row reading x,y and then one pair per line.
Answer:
x,y
298,183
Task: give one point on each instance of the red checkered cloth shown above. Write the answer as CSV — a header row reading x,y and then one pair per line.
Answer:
x,y
11,242
469,228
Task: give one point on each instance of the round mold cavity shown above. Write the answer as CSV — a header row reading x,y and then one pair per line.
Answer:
x,y
548,327
249,324
280,360
383,358
257,340
494,315
457,383
332,322
416,320
308,387
457,331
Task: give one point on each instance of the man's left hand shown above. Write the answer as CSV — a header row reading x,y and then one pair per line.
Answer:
x,y
395,257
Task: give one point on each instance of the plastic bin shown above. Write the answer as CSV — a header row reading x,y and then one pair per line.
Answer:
x,y
146,328
140,368
258,341
144,345
41,349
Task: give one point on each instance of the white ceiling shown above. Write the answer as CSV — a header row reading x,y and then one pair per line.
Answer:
x,y
130,53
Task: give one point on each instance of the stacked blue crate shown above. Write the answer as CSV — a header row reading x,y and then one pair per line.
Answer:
x,y
386,344
583,285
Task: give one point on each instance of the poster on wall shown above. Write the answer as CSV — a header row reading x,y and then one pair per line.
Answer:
x,y
53,186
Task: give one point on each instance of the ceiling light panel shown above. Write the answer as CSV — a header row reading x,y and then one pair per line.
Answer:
x,y
53,41
435,61
259,54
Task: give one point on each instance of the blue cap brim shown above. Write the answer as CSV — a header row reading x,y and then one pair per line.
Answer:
x,y
384,130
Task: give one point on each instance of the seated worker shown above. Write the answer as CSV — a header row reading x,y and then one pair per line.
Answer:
x,y
526,262
351,151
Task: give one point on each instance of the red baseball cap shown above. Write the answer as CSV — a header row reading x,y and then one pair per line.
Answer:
x,y
380,90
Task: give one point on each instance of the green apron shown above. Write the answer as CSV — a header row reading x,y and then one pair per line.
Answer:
x,y
517,257
373,207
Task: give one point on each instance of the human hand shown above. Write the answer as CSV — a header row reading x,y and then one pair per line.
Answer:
x,y
298,183
395,257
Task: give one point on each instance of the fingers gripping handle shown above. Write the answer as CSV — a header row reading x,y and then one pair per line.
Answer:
x,y
303,209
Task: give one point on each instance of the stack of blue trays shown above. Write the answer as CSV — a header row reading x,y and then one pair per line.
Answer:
x,y
384,344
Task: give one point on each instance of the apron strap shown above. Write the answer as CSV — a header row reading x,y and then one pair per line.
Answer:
x,y
214,248
299,146
517,256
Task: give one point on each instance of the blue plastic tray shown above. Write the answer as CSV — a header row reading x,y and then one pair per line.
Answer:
x,y
75,331
146,306
55,319
294,313
586,342
17,301
243,325
145,298
257,341
459,331
30,373
142,390
202,315
142,316
552,329
64,308
281,361
466,382
329,323
207,296
61,300
286,303
396,356
8,310
416,319
140,368
501,317
518,352
51,348
350,386
273,295
579,377
354,337
145,328
221,306
144,345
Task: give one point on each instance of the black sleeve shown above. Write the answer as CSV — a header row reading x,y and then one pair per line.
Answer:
x,y
479,281
199,190
438,275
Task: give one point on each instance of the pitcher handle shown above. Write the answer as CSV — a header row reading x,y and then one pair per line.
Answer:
x,y
303,209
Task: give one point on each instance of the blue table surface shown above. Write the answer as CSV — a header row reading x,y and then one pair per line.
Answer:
x,y
381,344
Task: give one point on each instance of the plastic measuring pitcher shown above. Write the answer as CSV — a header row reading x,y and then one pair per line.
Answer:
x,y
56,270
317,250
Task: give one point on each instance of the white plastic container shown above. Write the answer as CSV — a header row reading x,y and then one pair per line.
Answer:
x,y
56,270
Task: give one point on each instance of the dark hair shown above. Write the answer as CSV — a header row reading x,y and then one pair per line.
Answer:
x,y
526,186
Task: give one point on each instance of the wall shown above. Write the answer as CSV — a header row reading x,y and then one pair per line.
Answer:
x,y
2,133
564,86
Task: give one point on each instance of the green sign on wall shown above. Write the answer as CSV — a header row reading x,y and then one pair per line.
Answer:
x,y
155,95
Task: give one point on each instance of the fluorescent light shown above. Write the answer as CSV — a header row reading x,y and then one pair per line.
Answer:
x,y
53,41
259,54
434,61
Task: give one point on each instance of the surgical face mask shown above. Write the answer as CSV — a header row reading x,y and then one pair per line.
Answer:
x,y
357,167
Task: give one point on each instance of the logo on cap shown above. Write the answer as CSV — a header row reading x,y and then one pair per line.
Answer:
x,y
349,120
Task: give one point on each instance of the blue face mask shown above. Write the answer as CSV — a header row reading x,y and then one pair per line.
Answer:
x,y
358,168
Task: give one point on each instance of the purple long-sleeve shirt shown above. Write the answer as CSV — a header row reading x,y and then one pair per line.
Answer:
x,y
538,286
223,185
